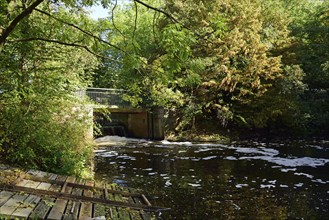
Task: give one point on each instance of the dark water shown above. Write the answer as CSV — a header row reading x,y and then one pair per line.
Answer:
x,y
247,180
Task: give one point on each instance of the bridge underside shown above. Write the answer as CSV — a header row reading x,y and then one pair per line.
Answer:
x,y
125,120
136,123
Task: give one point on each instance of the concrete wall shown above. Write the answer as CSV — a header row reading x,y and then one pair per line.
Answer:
x,y
140,123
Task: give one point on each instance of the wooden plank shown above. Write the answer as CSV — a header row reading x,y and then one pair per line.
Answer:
x,y
22,182
25,208
38,174
5,196
58,209
73,207
84,198
69,206
135,215
77,185
146,200
99,209
123,213
19,179
45,204
86,207
10,206
31,201
15,201
138,200
111,213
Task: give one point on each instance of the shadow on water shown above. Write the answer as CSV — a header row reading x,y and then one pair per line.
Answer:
x,y
247,180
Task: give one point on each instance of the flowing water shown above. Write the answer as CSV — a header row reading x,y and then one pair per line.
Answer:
x,y
241,180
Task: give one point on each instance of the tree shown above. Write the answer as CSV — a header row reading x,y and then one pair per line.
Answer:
x,y
206,58
43,122
312,51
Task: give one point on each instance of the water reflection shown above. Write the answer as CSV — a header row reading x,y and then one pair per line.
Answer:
x,y
256,180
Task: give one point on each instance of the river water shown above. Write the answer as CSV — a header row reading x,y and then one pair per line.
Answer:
x,y
240,180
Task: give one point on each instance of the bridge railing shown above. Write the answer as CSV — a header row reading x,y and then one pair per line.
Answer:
x,y
109,97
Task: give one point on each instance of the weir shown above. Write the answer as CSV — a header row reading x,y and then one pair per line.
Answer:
x,y
124,119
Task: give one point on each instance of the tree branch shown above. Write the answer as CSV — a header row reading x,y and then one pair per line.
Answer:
x,y
21,16
82,30
135,22
159,10
174,20
65,44
112,18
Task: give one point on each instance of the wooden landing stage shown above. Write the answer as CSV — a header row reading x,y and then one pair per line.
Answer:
x,y
39,195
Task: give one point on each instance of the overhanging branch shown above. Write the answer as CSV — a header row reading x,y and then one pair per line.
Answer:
x,y
80,29
174,20
21,16
158,10
65,44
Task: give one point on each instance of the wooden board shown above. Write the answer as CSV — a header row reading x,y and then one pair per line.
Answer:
x,y
40,195
86,207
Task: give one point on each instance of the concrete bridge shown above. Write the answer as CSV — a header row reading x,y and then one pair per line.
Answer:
x,y
124,119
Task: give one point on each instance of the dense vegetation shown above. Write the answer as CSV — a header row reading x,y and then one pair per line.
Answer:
x,y
243,65
260,65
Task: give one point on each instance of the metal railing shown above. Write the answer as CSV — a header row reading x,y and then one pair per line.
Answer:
x,y
109,97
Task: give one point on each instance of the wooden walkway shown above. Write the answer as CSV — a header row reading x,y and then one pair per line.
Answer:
x,y
39,195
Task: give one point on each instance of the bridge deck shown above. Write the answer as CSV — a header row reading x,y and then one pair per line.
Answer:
x,y
39,195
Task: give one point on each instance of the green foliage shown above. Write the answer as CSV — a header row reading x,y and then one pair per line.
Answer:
x,y
233,63
311,32
44,123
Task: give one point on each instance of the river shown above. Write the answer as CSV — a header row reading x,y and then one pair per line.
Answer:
x,y
240,180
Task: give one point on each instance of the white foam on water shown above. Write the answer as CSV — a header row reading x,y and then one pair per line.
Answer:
x,y
212,145
204,150
316,147
118,139
194,184
299,184
164,146
320,181
261,151
195,159
99,151
126,157
168,183
270,151
187,143
108,154
304,174
209,158
241,185
287,170
283,186
230,158
262,186
291,162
